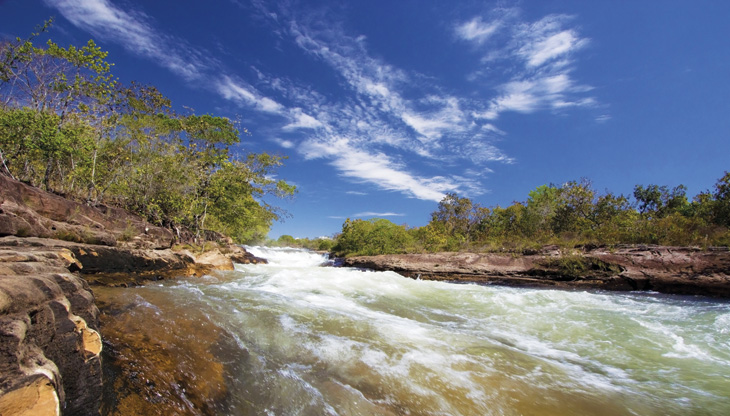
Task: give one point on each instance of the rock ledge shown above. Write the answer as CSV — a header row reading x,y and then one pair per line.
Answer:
x,y
676,270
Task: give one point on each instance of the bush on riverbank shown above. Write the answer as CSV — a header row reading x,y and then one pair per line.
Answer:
x,y
569,215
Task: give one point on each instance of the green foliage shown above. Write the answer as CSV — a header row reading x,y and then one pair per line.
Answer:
x,y
571,215
371,237
128,233
574,207
67,124
286,241
460,219
575,266
325,244
660,201
319,244
721,208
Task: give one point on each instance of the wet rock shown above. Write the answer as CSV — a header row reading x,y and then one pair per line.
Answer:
x,y
215,259
37,397
49,344
238,254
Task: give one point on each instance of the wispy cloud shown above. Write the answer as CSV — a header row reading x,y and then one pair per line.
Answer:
x,y
544,51
302,120
477,30
138,34
243,93
368,214
546,40
537,93
377,168
135,32
436,125
387,125
377,214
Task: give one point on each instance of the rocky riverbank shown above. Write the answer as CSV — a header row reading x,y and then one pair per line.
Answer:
x,y
676,270
52,252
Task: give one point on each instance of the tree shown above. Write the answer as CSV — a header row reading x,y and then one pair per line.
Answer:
x,y
66,123
540,208
722,201
286,241
575,207
459,218
660,201
63,87
613,218
371,237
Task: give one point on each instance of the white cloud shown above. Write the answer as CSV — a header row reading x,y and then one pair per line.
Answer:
x,y
554,46
377,214
382,111
477,30
542,41
134,31
533,94
241,93
286,144
302,120
543,82
377,169
428,127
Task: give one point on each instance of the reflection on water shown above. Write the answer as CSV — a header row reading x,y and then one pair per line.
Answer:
x,y
292,338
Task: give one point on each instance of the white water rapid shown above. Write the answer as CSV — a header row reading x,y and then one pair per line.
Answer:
x,y
295,338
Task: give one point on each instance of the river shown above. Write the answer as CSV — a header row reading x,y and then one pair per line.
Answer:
x,y
294,338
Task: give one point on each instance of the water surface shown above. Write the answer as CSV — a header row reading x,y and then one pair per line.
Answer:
x,y
294,338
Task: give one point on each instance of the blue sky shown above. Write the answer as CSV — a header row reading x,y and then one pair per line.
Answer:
x,y
382,107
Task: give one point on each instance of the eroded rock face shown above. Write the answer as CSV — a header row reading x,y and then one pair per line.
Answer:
x,y
676,270
49,345
26,211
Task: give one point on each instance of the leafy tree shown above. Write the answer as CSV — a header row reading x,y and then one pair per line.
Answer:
x,y
722,201
660,201
575,207
613,219
66,123
286,240
371,237
459,218
540,208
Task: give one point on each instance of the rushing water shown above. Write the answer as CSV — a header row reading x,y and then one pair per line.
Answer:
x,y
293,338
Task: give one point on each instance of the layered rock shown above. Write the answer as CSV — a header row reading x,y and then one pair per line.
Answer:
x,y
49,345
678,270
26,211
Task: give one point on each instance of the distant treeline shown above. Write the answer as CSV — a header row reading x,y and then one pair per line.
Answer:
x,y
319,244
569,215
68,125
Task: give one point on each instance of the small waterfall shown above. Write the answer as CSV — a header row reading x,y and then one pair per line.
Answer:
x,y
289,257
